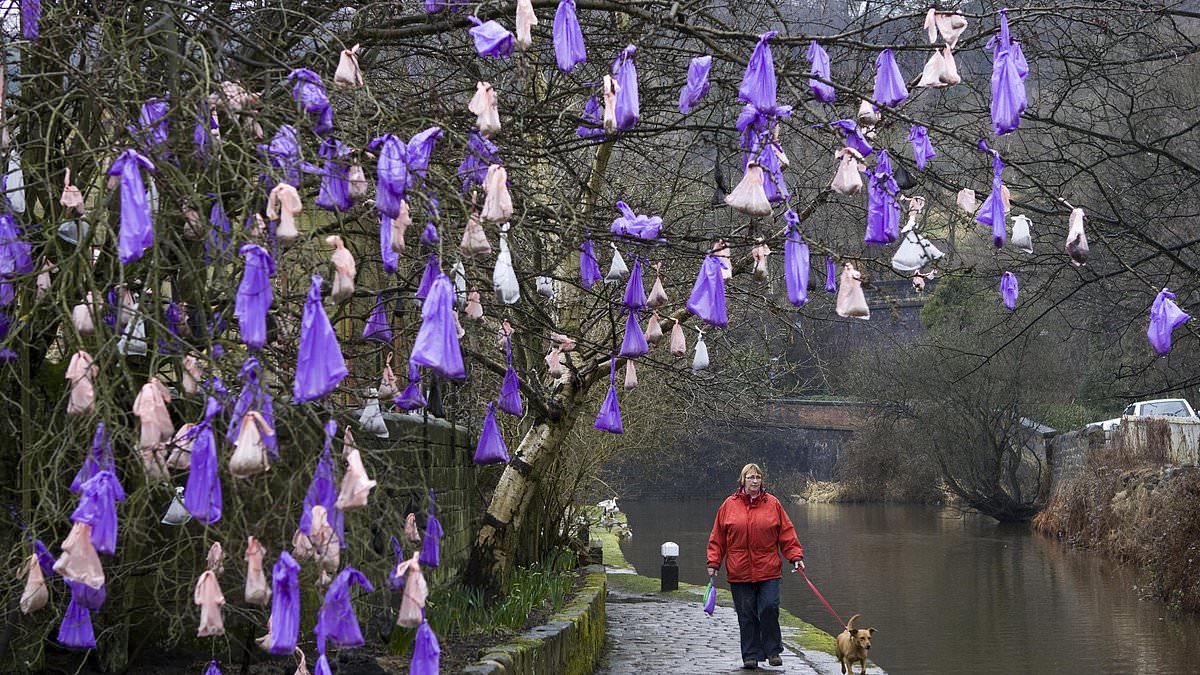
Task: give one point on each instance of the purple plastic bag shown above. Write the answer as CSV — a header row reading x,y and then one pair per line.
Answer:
x,y
923,150
883,211
1165,317
431,273
795,261
890,89
569,49
319,363
609,417
212,668
429,235
334,194
31,18
591,115
1009,290
255,396
510,390
15,253
589,269
151,128
426,656
707,300
202,495
391,259
254,295
309,92
411,398
773,183
991,212
710,593
202,132
391,174
697,84
98,508
758,83
137,230
635,225
628,105
491,448
99,459
831,277
76,628
491,39
635,291
86,596
323,490
284,154
820,67
377,327
419,153
45,559
285,604
1009,70
634,343
336,619
854,136
220,237
396,581
481,153
436,346
431,555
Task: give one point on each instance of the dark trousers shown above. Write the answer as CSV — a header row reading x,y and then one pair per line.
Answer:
x,y
757,606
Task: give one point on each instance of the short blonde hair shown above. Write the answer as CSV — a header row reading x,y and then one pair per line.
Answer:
x,y
747,469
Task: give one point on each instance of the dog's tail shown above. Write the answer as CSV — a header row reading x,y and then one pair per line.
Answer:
x,y
850,623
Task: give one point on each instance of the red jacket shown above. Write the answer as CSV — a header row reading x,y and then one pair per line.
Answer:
x,y
748,537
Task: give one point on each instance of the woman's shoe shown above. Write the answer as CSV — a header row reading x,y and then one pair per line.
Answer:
x,y
749,665
776,660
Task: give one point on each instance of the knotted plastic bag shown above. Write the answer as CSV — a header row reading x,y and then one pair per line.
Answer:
x,y
1009,290
609,417
426,658
992,211
497,204
344,269
628,106
678,341
966,200
250,455
377,327
336,620
1008,80
177,513
750,197
890,89
31,18
81,316
914,252
510,390
504,277
411,398
819,59
207,595
76,628
940,70
348,75
697,83
283,204
700,358
1077,244
254,295
474,240
80,372
759,254
758,86
319,363
484,106
950,25
617,270
707,300
203,494
1021,237
923,150
491,39
850,299
79,561
150,407
257,590
1165,317
416,590
658,295
72,197
569,49
855,140
554,363
526,20
631,380
136,231
796,263
371,419
634,343
589,269
611,89
334,193
474,309
635,291
848,179
284,624
431,555
636,225
491,448
35,594
309,92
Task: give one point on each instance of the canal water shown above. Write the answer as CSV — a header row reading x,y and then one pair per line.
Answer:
x,y
948,592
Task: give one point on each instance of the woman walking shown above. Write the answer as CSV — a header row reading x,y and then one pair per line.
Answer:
x,y
750,531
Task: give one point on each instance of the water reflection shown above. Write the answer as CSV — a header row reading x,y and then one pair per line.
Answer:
x,y
951,592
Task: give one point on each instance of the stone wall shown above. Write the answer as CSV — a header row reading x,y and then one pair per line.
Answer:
x,y
1155,439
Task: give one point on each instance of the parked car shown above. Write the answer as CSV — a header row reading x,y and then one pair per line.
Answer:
x,y
1159,407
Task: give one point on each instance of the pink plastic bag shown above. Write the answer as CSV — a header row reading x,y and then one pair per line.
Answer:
x,y
950,25
181,448
35,594
79,561
474,308
966,200
759,253
348,75
654,333
284,205
848,179
216,558
326,547
208,596
356,485
415,592
474,240
658,295
258,591
678,341
497,205
72,198
344,269
750,197
82,315
483,106
631,381
611,89
388,386
526,20
554,362
399,224
250,456
1077,243
81,372
851,302
410,528
150,407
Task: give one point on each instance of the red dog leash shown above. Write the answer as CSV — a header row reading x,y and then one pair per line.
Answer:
x,y
822,599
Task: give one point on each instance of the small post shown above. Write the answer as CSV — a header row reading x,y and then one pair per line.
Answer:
x,y
670,566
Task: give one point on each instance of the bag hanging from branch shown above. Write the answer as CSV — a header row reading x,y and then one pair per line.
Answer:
x,y
631,381
1021,237
658,296
336,620
1009,70
35,594
283,205
819,59
617,270
867,116
758,87
890,89
850,299
136,229
81,315
334,193
436,346
1077,244
431,547
545,286
759,253
634,343
1009,290
589,269
411,398
497,203
678,341
79,561
795,262
848,178
258,592
853,134
923,150
254,295
635,291
429,235
749,197
491,39
700,358
883,211
628,106
150,407
284,624
654,333
707,300
203,494
80,372
569,50
319,363
416,591
460,286
950,25
697,83
940,70
371,419
432,271
510,389
491,448
636,225
250,453
348,75
98,508
526,20
1165,317
309,92
483,106
377,327
76,628
609,417
992,211
611,89
426,658
356,484
504,277
474,240
209,598
474,309
554,362
176,513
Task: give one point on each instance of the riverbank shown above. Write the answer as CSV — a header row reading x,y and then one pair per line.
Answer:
x,y
651,630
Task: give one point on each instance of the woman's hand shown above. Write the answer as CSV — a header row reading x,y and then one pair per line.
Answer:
x,y
712,572
797,565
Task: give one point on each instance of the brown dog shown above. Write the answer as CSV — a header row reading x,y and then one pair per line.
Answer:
x,y
852,646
